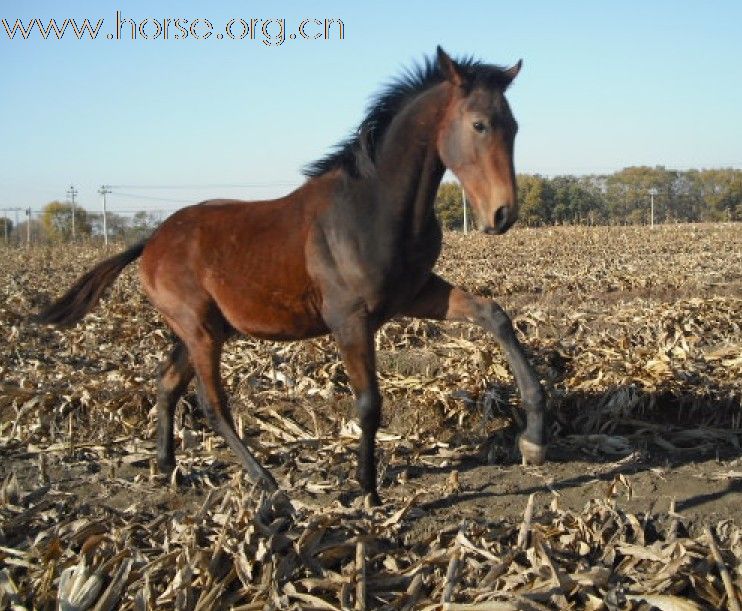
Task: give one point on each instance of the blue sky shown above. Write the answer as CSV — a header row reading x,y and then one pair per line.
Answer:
x,y
604,85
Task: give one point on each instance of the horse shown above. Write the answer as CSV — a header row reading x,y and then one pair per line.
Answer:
x,y
351,248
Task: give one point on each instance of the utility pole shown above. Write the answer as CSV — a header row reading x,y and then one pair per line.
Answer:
x,y
28,228
104,190
652,193
72,194
463,200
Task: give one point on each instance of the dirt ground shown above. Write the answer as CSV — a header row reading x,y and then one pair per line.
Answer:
x,y
704,490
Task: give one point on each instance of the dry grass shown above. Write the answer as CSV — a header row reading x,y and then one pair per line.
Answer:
x,y
636,334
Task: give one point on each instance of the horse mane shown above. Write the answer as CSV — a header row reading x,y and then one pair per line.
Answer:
x,y
359,149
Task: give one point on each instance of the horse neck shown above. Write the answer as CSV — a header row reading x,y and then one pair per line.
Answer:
x,y
409,168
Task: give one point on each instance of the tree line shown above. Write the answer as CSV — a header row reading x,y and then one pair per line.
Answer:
x,y
54,224
620,198
617,199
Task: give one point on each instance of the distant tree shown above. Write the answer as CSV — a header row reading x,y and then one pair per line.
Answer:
x,y
449,205
117,224
56,217
592,201
620,198
143,223
6,227
564,206
575,201
624,196
629,199
37,231
535,199
721,191
687,192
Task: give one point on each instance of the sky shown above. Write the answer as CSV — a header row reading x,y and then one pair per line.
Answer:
x,y
168,122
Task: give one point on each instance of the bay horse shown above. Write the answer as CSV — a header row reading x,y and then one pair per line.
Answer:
x,y
348,250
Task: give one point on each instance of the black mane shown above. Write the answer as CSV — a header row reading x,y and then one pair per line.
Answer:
x,y
360,147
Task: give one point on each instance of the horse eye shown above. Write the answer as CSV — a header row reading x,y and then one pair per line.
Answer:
x,y
479,126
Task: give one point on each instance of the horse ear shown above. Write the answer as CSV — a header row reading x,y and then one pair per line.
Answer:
x,y
449,68
513,71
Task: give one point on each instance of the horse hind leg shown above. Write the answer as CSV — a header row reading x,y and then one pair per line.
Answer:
x,y
213,401
204,340
175,374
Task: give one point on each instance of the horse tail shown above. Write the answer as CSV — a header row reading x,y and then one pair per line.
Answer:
x,y
83,296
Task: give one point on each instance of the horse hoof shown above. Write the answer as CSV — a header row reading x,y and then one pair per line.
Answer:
x,y
531,453
165,467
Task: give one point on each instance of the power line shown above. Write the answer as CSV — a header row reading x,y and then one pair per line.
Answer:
x,y
151,197
245,185
148,210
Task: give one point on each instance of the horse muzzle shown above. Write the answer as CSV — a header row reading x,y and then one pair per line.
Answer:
x,y
502,220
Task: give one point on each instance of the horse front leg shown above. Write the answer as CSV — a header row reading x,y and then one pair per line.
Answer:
x,y
439,300
355,339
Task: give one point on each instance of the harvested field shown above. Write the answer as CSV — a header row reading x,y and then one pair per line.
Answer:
x,y
635,332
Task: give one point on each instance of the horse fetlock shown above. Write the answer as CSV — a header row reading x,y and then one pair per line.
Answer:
x,y
532,453
366,474
369,412
269,484
166,463
263,478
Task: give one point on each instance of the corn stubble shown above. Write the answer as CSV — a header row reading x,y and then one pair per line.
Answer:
x,y
636,334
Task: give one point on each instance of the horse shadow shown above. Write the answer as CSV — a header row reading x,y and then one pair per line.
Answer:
x,y
623,430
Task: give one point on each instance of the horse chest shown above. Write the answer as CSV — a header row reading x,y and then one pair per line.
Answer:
x,y
400,275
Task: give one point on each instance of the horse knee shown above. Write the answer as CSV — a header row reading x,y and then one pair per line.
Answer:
x,y
369,410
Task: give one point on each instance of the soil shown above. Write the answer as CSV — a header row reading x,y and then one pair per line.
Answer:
x,y
704,490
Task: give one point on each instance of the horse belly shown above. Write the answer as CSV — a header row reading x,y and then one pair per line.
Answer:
x,y
270,315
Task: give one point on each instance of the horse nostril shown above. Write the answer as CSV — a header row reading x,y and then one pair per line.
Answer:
x,y
502,219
